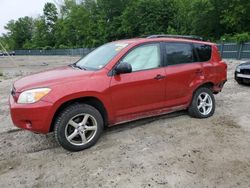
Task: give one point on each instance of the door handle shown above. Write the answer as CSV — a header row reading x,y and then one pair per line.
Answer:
x,y
159,77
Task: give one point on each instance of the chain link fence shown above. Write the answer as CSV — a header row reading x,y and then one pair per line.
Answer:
x,y
59,52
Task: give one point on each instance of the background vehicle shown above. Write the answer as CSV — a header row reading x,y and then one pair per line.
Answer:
x,y
11,53
242,73
118,82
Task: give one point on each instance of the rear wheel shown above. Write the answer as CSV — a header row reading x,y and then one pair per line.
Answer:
x,y
203,103
78,127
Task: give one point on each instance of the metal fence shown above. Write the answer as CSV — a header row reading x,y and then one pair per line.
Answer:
x,y
67,52
227,50
234,50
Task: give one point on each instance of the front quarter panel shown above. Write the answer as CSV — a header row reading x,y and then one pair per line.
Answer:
x,y
94,86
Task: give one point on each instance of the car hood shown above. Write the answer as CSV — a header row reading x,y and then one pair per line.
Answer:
x,y
50,77
245,65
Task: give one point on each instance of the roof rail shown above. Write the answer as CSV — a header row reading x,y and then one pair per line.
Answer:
x,y
192,37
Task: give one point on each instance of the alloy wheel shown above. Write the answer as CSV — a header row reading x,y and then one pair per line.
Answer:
x,y
204,103
81,129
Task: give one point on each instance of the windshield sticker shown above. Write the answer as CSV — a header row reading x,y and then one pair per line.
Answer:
x,y
100,66
120,46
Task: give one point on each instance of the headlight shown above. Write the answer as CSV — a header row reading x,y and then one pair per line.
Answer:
x,y
237,69
33,95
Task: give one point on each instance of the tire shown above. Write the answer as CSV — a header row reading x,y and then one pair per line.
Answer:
x,y
201,107
78,127
239,81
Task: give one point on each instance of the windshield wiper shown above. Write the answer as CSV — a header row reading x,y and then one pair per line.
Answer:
x,y
77,66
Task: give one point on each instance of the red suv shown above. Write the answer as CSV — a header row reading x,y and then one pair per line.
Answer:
x,y
118,82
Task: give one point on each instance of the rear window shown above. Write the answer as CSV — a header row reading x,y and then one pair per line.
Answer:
x,y
179,53
204,52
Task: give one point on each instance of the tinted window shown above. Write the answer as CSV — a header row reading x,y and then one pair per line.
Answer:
x,y
204,52
144,57
179,53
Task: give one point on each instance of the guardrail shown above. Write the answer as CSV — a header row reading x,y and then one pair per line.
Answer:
x,y
227,50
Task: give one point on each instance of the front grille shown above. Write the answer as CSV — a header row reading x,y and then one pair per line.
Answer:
x,y
245,71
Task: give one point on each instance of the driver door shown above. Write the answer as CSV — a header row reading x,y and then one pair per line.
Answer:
x,y
136,94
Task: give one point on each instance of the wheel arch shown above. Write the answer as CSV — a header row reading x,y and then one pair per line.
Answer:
x,y
208,84
92,101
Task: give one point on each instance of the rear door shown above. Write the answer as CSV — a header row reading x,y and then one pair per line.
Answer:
x,y
204,53
183,72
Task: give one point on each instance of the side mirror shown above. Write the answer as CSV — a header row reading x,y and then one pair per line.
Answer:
x,y
123,68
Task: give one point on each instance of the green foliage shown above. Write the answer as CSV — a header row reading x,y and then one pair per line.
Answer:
x,y
206,18
90,23
50,18
6,42
183,17
19,32
145,17
235,15
239,37
47,48
171,31
61,46
242,37
73,28
40,37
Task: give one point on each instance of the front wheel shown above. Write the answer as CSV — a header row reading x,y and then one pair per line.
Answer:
x,y
203,103
78,127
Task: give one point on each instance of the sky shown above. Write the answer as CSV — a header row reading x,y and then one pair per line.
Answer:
x,y
14,9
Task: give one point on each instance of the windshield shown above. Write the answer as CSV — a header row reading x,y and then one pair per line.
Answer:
x,y
101,56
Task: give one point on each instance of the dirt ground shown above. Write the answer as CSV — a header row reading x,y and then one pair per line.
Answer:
x,y
168,151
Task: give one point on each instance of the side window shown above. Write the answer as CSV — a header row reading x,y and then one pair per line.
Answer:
x,y
204,52
144,57
179,53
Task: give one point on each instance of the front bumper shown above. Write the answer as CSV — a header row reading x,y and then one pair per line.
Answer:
x,y
33,117
241,76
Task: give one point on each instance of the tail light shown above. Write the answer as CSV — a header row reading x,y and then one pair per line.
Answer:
x,y
216,54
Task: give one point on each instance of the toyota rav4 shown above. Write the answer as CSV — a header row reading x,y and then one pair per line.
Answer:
x,y
118,82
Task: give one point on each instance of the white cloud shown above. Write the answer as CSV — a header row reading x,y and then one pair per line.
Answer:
x,y
14,9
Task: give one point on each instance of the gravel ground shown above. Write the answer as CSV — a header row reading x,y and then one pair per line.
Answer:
x,y
168,151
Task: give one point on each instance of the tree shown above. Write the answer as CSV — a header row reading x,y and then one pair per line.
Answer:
x,y
40,35
144,17
183,17
50,17
206,18
235,16
90,23
19,32
72,28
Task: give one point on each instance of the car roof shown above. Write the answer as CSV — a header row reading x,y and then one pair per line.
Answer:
x,y
144,40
